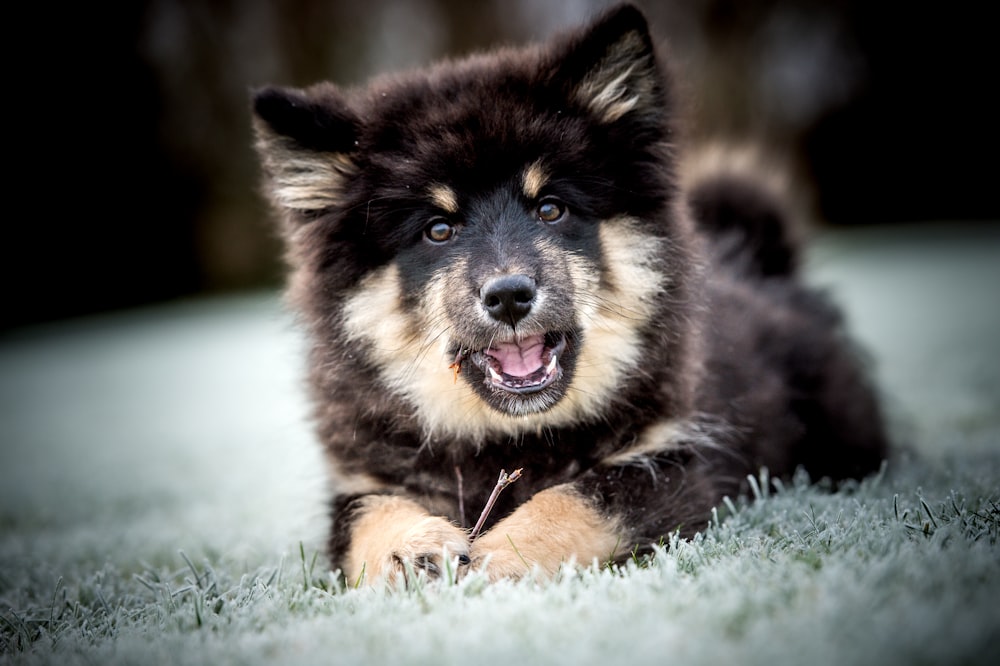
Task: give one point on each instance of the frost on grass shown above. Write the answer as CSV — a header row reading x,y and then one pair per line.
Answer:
x,y
875,572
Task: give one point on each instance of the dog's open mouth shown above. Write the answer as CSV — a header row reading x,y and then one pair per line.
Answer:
x,y
523,366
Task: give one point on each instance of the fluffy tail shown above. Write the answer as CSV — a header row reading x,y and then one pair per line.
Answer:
x,y
743,206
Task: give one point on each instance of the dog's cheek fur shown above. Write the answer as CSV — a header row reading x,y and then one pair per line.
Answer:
x,y
613,313
408,347
556,526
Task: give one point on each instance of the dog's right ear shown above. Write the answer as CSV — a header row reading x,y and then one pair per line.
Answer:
x,y
305,140
611,68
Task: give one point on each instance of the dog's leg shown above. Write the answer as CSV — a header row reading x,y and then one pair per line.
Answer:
x,y
555,526
623,504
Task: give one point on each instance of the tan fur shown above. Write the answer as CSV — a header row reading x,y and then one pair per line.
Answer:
x,y
749,163
302,180
611,315
351,483
412,355
534,179
411,348
443,197
655,439
556,525
622,82
393,530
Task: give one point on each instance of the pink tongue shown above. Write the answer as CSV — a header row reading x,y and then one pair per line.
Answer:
x,y
519,360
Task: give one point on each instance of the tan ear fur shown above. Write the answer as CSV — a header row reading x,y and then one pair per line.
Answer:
x,y
623,81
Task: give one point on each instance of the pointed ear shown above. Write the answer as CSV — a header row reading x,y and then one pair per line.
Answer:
x,y
305,140
611,68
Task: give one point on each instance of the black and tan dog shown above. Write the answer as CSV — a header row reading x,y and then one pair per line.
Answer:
x,y
500,266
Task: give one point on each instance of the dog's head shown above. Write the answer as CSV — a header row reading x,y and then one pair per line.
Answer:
x,y
492,238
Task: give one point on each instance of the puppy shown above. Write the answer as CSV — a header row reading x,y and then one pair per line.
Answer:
x,y
499,266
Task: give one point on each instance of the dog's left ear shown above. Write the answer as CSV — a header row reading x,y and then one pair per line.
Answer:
x,y
611,68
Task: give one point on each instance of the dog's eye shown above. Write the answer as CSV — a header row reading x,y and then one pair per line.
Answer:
x,y
551,210
439,230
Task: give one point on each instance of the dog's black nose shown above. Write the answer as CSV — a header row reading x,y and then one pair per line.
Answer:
x,y
508,298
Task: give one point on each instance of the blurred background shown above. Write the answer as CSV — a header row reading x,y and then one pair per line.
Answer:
x,y
130,126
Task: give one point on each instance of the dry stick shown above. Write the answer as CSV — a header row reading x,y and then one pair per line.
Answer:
x,y
504,481
461,496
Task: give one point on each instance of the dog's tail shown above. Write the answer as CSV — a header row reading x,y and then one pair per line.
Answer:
x,y
743,204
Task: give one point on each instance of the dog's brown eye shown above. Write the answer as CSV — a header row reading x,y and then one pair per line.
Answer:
x,y
551,210
439,230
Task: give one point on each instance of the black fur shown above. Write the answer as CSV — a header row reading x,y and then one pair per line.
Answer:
x,y
752,367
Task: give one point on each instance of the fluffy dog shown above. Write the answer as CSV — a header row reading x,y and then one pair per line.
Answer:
x,y
500,266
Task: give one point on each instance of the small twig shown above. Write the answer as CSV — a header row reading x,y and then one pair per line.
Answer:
x,y
461,496
504,481
456,365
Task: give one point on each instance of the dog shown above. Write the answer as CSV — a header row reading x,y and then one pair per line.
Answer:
x,y
508,261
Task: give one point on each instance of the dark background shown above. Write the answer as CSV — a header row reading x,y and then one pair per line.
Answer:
x,y
130,178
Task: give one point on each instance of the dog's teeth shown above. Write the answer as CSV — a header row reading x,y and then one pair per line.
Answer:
x,y
494,375
553,362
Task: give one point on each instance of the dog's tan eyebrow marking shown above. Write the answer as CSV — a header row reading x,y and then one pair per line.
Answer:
x,y
534,179
443,197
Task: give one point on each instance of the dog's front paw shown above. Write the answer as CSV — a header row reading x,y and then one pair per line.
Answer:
x,y
426,546
394,538
556,526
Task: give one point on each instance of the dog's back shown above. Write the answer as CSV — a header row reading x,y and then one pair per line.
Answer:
x,y
780,365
